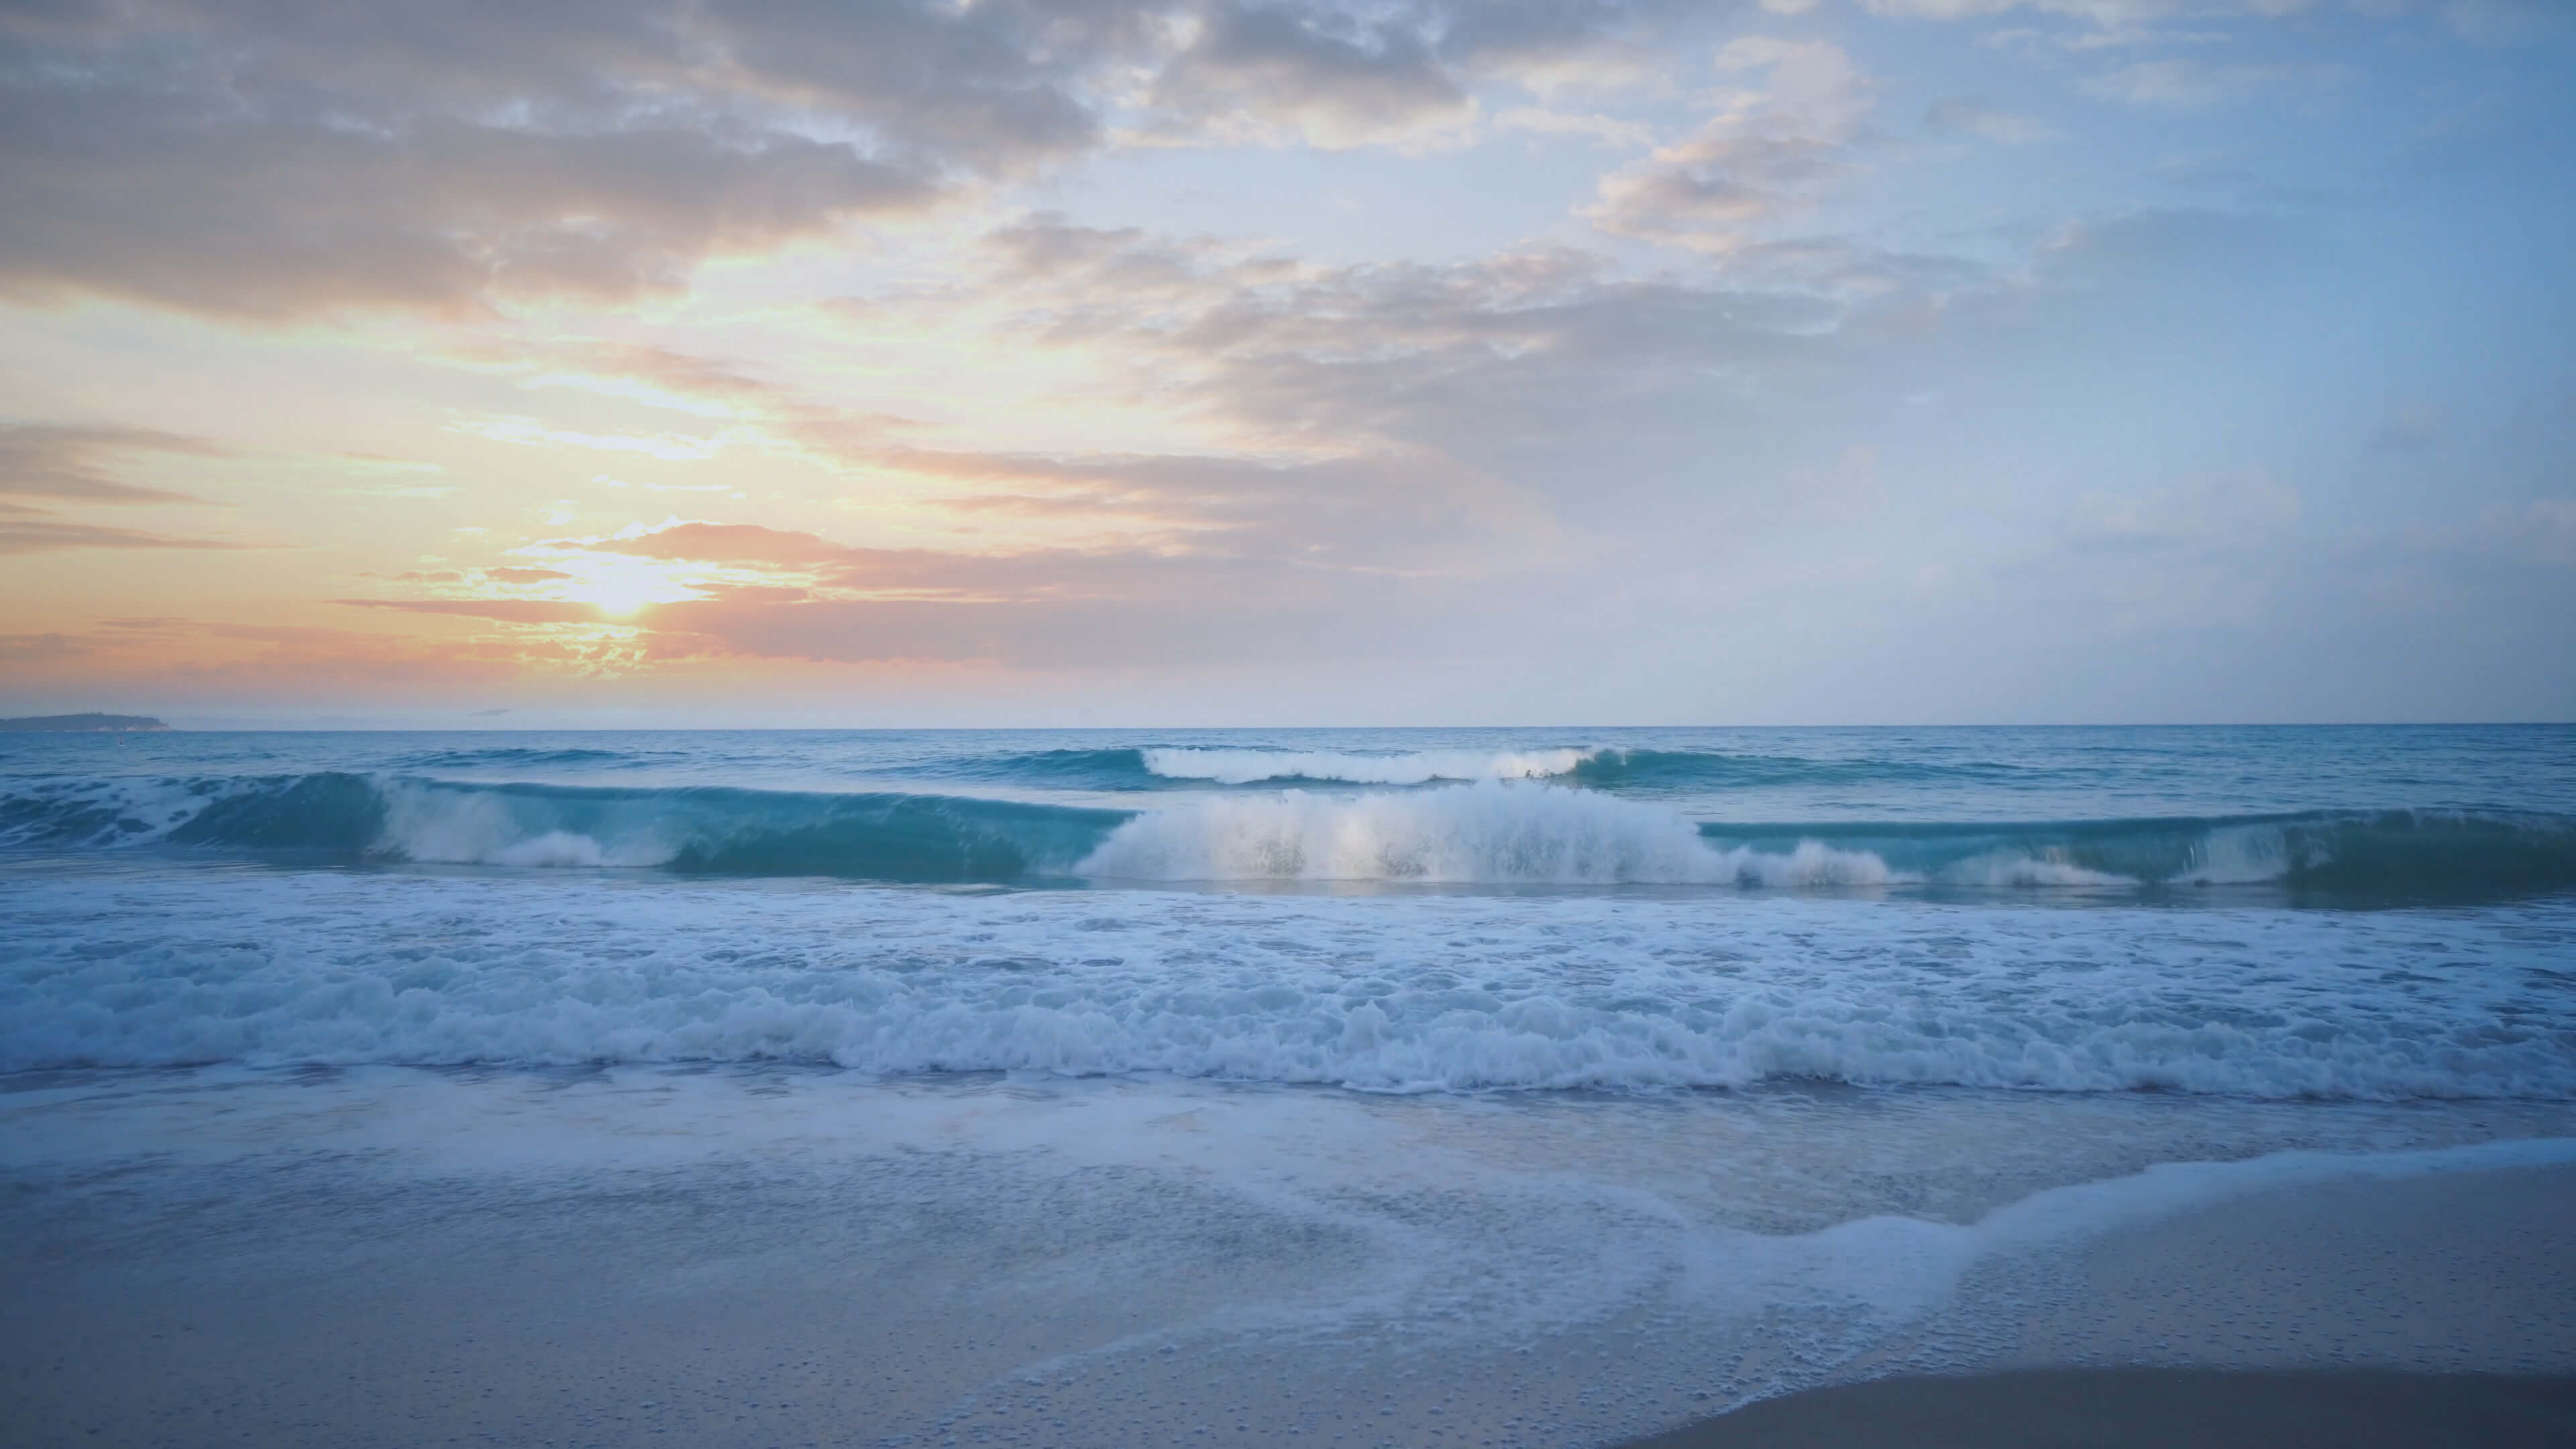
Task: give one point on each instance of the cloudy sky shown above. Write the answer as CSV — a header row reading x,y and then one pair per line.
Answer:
x,y
884,362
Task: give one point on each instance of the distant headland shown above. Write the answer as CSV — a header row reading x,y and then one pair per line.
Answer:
x,y
81,724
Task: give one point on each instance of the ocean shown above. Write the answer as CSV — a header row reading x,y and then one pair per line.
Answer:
x,y
1431,1085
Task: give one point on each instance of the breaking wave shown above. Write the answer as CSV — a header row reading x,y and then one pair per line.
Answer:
x,y
509,756
1490,834
1245,767
1415,994
1196,767
895,837
1600,767
1495,832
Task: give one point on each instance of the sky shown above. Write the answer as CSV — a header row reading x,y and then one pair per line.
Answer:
x,y
1209,362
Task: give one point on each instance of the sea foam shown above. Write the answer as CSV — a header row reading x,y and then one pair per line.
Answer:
x,y
1491,832
1495,834
1244,767
1401,994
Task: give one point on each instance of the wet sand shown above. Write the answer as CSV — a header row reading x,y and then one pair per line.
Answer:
x,y
399,1259
2120,1408
2417,1311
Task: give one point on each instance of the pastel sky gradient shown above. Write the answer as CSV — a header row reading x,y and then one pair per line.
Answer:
x,y
739,362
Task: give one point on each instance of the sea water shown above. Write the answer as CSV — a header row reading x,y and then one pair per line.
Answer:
x,y
1346,1058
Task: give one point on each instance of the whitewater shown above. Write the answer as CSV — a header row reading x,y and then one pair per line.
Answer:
x,y
2374,915
1359,1052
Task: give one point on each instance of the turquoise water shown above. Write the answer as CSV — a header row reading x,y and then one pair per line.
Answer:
x,y
2341,815
2365,914
1561,1082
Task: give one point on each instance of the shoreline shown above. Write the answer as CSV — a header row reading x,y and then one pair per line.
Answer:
x,y
399,1257
2136,1408
2436,1308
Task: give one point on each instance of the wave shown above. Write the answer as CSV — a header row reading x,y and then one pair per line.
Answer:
x,y
1411,994
506,756
1161,768
2392,855
883,836
1507,834
1616,769
1490,833
1420,767
1597,766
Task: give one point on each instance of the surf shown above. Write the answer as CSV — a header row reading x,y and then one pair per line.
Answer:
x,y
1604,767
353,817
1493,832
1412,994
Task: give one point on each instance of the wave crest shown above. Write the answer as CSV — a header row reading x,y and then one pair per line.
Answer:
x,y
1495,832
1489,834
1400,995
1247,767
896,837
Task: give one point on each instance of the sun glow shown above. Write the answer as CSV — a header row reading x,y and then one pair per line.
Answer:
x,y
621,587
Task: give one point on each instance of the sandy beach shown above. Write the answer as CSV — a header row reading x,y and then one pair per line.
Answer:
x,y
246,1261
1287,724
2428,1310
2137,1408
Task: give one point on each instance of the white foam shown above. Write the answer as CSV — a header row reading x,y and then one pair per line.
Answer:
x,y
2241,855
1403,994
476,827
1893,1268
1492,833
1615,1261
2012,869
1245,767
93,813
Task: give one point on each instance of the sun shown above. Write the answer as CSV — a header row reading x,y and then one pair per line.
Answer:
x,y
623,588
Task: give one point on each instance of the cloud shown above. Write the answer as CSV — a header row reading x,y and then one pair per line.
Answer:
x,y
1973,118
1764,157
1052,608
1422,430
40,648
725,543
253,661
2179,84
2505,22
248,158
655,376
1051,634
279,159
1753,52
2234,512
508,611
189,198
1392,508
2537,532
2107,13
993,88
1608,130
1342,499
2413,427
1508,350
1419,442
2170,244
45,536
69,461
532,432
1325,77
1531,39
